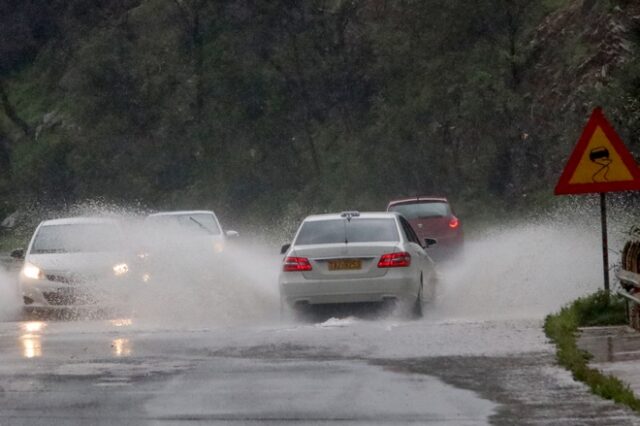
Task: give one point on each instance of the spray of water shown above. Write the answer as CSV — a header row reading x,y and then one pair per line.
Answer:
x,y
193,286
178,275
522,270
525,270
9,299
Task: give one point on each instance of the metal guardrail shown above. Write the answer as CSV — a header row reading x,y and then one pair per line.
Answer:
x,y
630,280
628,297
628,277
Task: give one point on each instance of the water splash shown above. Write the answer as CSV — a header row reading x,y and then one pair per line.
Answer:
x,y
10,302
524,271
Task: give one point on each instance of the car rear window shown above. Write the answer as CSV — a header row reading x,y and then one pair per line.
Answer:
x,y
334,231
77,238
422,210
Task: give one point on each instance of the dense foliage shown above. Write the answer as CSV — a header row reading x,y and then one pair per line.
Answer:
x,y
255,107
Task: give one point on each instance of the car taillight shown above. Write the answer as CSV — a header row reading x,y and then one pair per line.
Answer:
x,y
454,222
395,260
293,264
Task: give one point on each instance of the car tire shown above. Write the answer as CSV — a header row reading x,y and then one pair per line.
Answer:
x,y
417,305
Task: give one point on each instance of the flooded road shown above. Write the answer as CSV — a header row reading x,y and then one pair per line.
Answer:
x,y
479,356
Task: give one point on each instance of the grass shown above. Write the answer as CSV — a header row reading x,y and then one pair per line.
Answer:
x,y
598,309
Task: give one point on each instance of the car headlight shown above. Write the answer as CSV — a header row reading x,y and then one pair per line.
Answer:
x,y
31,271
120,269
218,247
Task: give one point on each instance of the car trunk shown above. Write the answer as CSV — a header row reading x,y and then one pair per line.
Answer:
x,y
345,260
431,227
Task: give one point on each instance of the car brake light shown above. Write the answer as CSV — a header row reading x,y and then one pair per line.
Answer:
x,y
454,222
395,260
293,264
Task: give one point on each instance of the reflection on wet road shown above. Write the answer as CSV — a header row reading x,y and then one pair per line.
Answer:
x,y
121,347
30,340
31,345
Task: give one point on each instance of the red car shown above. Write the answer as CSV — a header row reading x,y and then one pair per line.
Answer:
x,y
432,217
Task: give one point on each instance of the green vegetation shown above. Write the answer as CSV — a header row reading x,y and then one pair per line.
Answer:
x,y
598,309
10,241
263,107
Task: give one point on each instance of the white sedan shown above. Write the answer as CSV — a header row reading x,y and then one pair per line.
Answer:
x,y
73,262
354,257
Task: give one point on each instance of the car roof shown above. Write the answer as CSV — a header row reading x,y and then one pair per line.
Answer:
x,y
181,213
362,215
78,221
418,199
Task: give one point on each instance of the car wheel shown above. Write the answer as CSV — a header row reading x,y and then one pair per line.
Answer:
x,y
417,306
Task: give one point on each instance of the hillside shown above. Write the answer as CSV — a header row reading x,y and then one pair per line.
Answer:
x,y
259,107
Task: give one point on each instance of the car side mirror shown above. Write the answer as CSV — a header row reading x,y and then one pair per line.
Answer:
x,y
232,234
18,254
428,242
284,248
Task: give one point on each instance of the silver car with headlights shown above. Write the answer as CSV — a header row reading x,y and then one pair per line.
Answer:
x,y
354,257
74,262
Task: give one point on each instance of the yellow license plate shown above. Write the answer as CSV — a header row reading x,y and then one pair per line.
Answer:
x,y
345,264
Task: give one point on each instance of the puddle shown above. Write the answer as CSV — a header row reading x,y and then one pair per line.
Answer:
x,y
336,391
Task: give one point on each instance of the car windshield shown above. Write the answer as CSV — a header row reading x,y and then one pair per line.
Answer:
x,y
340,230
422,210
197,223
77,238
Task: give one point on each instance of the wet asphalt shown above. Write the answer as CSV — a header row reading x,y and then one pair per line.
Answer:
x,y
342,371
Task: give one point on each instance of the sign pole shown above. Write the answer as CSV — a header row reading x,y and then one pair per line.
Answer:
x,y
605,240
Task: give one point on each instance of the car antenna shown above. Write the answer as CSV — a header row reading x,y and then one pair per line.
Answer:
x,y
346,239
348,215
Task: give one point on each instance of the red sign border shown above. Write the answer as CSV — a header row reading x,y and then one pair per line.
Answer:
x,y
596,120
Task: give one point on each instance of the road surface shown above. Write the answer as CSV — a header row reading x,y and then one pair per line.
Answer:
x,y
342,371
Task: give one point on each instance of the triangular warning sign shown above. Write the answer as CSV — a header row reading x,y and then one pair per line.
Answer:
x,y
600,162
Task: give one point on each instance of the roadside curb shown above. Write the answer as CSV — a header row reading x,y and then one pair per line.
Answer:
x,y
563,329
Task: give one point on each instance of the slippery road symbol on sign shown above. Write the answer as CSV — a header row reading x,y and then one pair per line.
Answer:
x,y
601,157
600,162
